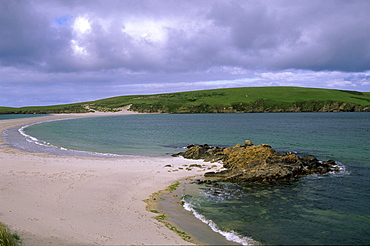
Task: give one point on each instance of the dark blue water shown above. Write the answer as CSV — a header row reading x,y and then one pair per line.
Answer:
x,y
320,209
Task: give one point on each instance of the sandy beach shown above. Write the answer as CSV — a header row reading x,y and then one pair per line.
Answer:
x,y
62,200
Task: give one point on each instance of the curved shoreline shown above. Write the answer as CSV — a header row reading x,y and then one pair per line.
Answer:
x,y
182,219
64,200
35,145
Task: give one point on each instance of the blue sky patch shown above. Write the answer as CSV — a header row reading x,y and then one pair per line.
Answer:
x,y
63,20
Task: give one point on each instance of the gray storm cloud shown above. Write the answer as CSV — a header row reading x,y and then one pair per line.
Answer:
x,y
130,42
155,36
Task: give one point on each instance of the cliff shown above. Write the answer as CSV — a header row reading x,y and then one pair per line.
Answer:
x,y
259,106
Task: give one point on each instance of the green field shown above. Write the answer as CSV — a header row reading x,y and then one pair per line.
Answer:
x,y
246,99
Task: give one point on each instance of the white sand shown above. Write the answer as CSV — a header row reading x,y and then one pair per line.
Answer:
x,y
59,200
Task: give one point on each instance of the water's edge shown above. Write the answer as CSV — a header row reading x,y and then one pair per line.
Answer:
x,y
18,139
167,202
172,205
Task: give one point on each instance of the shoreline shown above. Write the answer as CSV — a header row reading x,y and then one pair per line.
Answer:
x,y
64,200
184,220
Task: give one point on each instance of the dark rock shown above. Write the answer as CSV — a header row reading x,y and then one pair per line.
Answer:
x,y
309,161
224,173
210,154
196,165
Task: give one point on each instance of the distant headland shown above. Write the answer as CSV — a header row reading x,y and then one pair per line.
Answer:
x,y
230,100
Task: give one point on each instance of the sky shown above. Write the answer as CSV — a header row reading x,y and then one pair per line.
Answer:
x,y
67,51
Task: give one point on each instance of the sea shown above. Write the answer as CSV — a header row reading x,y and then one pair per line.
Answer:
x,y
330,209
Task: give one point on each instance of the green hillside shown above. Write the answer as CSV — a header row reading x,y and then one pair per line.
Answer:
x,y
246,99
6,110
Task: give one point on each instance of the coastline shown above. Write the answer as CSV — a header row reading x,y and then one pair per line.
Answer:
x,y
64,200
184,220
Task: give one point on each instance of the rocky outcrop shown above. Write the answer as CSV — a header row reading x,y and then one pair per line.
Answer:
x,y
206,152
250,162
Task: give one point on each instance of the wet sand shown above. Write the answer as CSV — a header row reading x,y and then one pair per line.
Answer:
x,y
186,221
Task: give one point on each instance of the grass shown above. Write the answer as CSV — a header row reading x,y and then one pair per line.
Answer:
x,y
244,99
173,187
239,99
7,238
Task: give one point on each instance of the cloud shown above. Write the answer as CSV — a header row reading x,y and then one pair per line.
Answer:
x,y
254,34
103,44
29,87
340,83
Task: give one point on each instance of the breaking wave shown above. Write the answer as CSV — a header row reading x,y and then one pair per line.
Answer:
x,y
229,235
18,138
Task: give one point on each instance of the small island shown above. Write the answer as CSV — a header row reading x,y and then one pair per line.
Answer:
x,y
249,162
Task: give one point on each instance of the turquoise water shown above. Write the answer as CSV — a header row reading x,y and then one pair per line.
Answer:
x,y
320,209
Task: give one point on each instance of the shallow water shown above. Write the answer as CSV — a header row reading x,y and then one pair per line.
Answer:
x,y
319,209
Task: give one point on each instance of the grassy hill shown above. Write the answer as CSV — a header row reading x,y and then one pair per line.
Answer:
x,y
246,99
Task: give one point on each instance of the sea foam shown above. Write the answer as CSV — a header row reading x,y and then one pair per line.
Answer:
x,y
229,235
30,138
50,148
